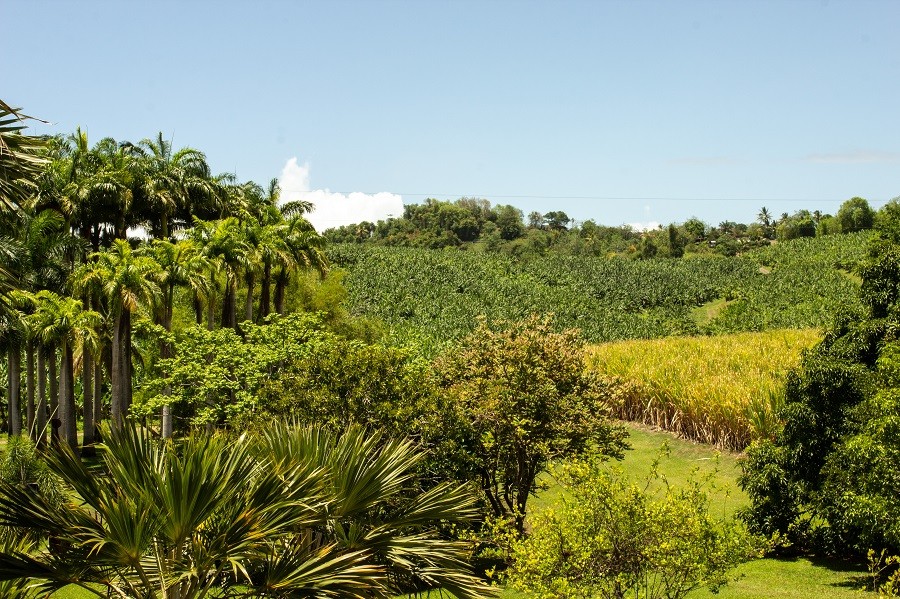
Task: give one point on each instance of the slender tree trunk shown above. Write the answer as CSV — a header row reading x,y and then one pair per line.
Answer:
x,y
53,383
98,396
280,284
29,387
67,412
211,311
87,401
127,369
198,309
15,390
165,351
248,303
40,418
264,291
229,310
119,401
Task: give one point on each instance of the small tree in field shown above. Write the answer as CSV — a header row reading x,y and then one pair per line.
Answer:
x,y
612,538
518,396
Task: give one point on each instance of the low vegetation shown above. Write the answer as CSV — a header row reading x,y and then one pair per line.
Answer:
x,y
615,538
430,298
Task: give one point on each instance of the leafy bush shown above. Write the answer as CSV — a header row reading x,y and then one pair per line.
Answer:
x,y
829,477
612,538
517,396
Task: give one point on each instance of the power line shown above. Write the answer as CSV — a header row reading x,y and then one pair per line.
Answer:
x,y
598,198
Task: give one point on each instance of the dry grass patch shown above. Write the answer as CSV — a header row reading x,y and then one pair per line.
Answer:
x,y
722,390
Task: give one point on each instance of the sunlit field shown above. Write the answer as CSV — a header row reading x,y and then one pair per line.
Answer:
x,y
722,390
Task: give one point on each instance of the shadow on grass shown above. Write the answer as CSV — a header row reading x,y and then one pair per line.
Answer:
x,y
856,572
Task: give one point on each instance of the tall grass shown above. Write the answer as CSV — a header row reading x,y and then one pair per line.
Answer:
x,y
723,390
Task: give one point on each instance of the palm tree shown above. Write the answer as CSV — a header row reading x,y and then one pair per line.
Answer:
x,y
21,159
60,321
305,248
127,281
180,264
302,513
274,247
171,179
223,244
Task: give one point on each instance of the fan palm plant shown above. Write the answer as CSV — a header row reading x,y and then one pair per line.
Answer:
x,y
303,513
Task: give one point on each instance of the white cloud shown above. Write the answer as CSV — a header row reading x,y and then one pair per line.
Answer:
x,y
641,227
332,209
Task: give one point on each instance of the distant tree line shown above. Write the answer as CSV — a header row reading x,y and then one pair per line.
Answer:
x,y
473,223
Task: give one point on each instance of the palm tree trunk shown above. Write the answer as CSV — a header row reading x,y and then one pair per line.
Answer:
x,y
87,401
211,311
165,351
53,378
29,387
67,414
127,368
280,286
15,390
120,366
248,303
198,310
264,291
229,310
40,419
98,397
166,426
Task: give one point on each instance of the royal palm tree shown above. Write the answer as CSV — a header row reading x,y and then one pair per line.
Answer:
x,y
303,513
274,247
305,248
180,264
223,244
171,179
127,281
60,321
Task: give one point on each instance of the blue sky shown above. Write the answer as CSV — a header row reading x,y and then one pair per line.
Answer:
x,y
624,112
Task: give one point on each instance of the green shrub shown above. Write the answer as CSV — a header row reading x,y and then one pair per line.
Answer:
x,y
612,538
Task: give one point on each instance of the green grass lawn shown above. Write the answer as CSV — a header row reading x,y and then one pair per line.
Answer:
x,y
761,579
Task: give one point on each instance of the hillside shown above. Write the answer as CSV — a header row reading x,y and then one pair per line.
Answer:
x,y
435,296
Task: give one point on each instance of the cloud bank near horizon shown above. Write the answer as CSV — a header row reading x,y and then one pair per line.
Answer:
x,y
332,209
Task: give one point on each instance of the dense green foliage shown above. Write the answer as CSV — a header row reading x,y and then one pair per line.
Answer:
x,y
615,538
293,512
829,477
516,397
436,296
